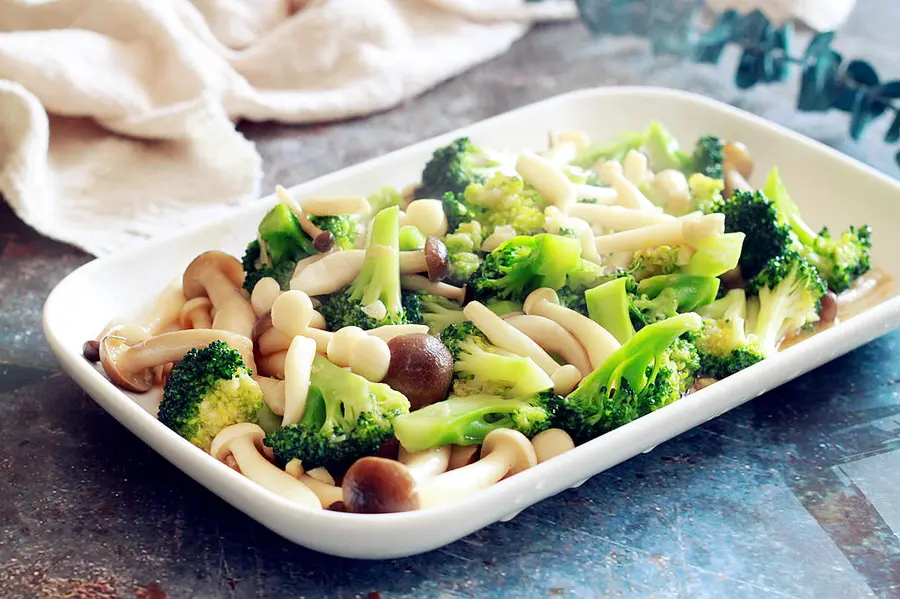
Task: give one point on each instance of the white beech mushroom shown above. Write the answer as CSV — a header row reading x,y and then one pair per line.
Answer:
x,y
551,443
243,443
597,341
370,358
506,336
501,234
420,283
635,167
547,178
391,331
673,186
273,393
428,217
264,294
628,194
196,314
553,338
689,229
297,366
219,277
292,313
600,195
565,379
325,490
272,365
131,366
340,344
377,485
323,206
423,465
432,259
329,274
737,166
618,218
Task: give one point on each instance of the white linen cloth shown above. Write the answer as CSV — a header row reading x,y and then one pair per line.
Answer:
x,y
117,116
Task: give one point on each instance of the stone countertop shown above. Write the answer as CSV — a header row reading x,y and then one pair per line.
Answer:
x,y
791,495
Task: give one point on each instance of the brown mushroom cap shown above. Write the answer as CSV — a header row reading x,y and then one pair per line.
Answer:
x,y
228,265
379,486
517,445
421,368
437,260
111,349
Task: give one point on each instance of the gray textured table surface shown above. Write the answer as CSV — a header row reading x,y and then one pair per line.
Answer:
x,y
792,495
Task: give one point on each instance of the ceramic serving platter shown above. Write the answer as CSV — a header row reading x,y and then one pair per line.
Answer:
x,y
829,187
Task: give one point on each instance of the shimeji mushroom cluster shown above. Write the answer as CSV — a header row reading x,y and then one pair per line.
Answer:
x,y
403,350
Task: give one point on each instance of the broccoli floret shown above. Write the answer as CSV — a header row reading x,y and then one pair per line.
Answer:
x,y
341,226
455,209
716,255
467,420
706,192
505,201
573,299
663,296
756,216
522,264
208,390
650,262
435,311
280,245
662,149
503,307
373,299
346,417
724,345
839,260
790,293
651,370
463,266
707,158
480,367
463,246
453,167
386,197
255,270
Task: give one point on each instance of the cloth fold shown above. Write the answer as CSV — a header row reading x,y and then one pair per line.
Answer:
x,y
144,95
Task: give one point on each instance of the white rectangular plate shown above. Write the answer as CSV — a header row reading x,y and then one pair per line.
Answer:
x,y
830,188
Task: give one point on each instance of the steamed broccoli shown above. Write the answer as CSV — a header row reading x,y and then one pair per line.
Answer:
x,y
505,201
651,370
386,197
709,153
435,311
373,299
712,257
790,293
480,367
522,264
411,238
839,260
463,246
341,226
660,260
346,417
467,420
610,305
612,150
766,237
453,167
280,245
662,148
208,390
663,296
724,345
706,192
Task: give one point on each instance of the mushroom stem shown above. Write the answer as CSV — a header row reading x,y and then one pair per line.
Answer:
x,y
389,331
462,455
547,178
219,276
504,452
629,195
689,229
423,465
163,312
433,259
322,240
272,341
243,442
618,218
329,274
505,336
273,393
597,341
328,494
272,365
420,283
195,314
551,443
553,338
130,367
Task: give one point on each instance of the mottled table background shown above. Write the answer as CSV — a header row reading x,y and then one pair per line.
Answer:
x,y
793,495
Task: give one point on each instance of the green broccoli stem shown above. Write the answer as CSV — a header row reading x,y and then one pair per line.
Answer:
x,y
689,291
716,255
607,305
467,421
631,361
776,191
379,278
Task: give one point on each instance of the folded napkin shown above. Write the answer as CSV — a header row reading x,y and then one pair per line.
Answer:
x,y
144,94
117,116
